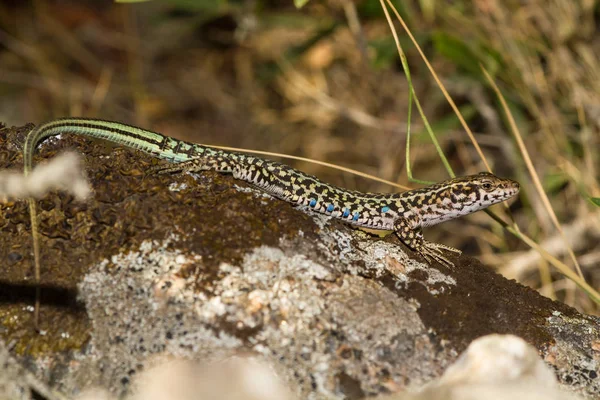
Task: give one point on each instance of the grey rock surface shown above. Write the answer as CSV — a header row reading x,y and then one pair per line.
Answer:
x,y
203,267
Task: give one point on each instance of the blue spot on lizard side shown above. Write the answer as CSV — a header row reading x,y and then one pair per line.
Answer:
x,y
312,203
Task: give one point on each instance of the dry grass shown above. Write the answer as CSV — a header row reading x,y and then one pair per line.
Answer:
x,y
549,74
284,80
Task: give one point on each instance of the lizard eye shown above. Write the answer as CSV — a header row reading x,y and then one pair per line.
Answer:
x,y
487,185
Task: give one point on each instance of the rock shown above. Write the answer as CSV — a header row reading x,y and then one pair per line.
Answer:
x,y
205,268
12,383
237,378
494,367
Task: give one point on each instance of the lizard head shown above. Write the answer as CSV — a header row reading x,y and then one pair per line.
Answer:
x,y
461,196
481,190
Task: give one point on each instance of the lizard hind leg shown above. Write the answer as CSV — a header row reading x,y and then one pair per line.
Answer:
x,y
193,165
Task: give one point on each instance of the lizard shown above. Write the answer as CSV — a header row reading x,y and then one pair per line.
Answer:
x,y
404,213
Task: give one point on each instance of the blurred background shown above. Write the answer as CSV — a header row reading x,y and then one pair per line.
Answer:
x,y
325,82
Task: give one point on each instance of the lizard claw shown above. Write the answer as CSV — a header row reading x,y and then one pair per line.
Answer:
x,y
433,252
437,246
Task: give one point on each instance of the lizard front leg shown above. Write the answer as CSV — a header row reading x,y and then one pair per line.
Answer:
x,y
409,231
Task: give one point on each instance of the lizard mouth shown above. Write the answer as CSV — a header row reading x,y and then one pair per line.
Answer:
x,y
512,189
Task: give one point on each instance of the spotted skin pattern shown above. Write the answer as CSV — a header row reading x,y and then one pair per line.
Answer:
x,y
404,213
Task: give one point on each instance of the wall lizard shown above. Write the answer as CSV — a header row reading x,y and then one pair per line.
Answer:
x,y
404,213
